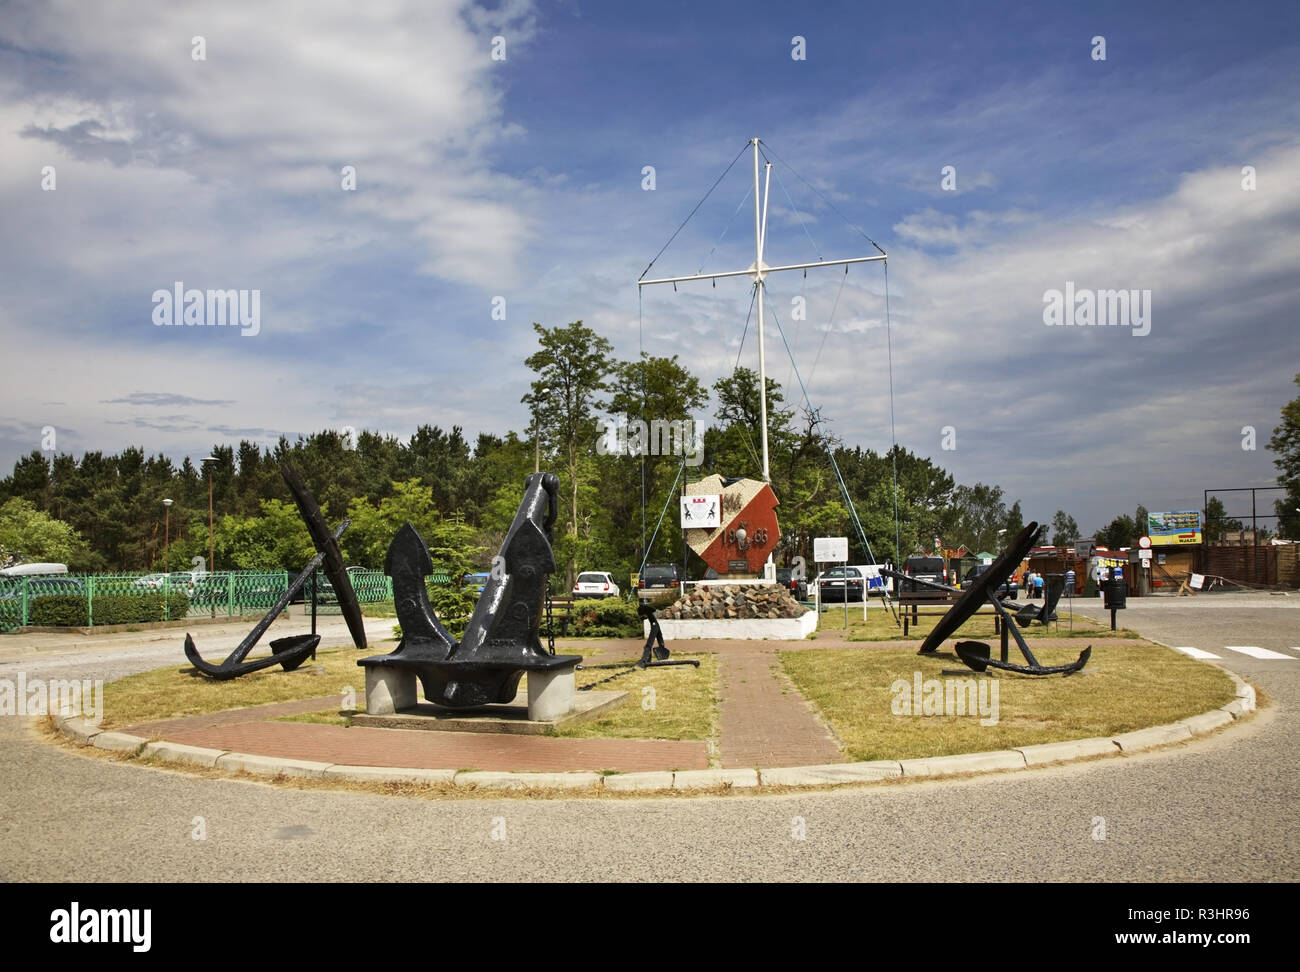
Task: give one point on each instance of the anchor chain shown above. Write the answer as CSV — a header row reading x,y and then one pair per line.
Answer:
x,y
550,621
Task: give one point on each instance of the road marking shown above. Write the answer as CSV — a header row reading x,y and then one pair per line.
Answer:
x,y
1254,652
1197,653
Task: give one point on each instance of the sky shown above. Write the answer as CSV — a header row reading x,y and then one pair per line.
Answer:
x,y
499,153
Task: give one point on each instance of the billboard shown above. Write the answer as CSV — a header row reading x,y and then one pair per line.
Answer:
x,y
1179,526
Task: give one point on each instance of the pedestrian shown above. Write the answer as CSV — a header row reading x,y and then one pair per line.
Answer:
x,y
1038,586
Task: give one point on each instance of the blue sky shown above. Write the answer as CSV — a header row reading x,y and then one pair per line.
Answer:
x,y
522,178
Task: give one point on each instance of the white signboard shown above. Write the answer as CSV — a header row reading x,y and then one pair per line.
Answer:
x,y
831,550
1144,554
701,512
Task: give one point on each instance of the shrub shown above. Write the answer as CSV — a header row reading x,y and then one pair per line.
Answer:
x,y
64,610
604,618
69,610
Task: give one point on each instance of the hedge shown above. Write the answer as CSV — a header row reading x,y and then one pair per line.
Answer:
x,y
607,617
69,610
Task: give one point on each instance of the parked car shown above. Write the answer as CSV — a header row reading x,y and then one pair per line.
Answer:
x,y
1008,588
925,568
842,584
798,587
657,580
474,583
595,584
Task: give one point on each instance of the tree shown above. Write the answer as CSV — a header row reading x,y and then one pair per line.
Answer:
x,y
1064,530
1015,521
571,369
31,535
981,513
1286,444
650,390
1217,524
1119,532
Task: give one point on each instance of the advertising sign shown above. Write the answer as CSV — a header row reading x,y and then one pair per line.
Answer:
x,y
1177,527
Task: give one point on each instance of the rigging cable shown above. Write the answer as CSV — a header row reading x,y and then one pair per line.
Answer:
x,y
830,453
693,211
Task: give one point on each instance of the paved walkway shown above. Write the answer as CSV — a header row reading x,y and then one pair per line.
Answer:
x,y
763,720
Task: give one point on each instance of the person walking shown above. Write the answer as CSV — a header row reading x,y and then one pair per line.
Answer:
x,y
1038,586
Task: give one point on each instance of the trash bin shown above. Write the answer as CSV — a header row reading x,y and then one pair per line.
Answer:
x,y
1115,592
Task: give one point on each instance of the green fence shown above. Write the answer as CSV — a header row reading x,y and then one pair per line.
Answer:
x,y
86,600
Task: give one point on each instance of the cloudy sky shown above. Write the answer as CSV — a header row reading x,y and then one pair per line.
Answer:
x,y
500,151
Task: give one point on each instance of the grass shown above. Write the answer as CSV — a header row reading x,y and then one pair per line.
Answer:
x,y
685,702
880,626
175,691
1123,687
685,698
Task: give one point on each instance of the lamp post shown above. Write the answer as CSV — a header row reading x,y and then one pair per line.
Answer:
x,y
537,436
206,460
167,513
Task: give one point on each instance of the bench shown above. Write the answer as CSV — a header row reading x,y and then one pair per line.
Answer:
x,y
560,611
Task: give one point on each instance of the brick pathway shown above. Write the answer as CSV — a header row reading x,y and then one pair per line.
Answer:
x,y
764,721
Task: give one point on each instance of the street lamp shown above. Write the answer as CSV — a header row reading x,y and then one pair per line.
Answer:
x,y
537,433
167,513
206,460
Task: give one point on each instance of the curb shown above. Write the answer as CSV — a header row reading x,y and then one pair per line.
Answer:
x,y
832,774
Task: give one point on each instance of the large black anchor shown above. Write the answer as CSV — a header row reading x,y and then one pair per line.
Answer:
x,y
501,639
290,652
976,654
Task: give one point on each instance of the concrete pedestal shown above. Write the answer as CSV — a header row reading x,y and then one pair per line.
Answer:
x,y
550,694
389,689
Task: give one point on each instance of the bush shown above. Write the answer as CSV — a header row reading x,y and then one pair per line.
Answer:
x,y
69,610
607,617
64,610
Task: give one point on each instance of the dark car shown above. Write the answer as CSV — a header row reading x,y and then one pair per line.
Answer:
x,y
842,584
798,587
1008,587
658,580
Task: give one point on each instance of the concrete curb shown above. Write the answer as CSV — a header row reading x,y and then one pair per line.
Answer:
x,y
832,774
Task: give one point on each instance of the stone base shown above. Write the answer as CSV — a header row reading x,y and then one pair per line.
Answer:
x,y
749,629
509,718
389,690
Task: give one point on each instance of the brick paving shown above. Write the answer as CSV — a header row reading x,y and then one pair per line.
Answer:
x,y
763,720
424,749
253,713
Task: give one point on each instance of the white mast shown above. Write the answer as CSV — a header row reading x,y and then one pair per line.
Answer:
x,y
758,271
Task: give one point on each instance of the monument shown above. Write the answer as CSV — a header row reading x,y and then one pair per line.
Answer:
x,y
501,641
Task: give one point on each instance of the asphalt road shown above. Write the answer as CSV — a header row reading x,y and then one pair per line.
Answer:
x,y
1219,809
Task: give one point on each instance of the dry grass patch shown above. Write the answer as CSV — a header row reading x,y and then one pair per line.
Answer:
x,y
685,702
176,691
1123,687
